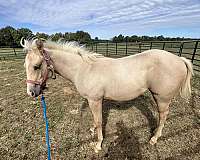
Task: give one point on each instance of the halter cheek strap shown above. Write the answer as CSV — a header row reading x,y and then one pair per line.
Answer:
x,y
48,61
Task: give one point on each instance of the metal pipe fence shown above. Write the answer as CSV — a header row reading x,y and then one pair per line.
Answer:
x,y
11,53
188,49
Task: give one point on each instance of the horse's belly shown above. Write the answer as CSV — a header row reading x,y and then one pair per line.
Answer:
x,y
124,95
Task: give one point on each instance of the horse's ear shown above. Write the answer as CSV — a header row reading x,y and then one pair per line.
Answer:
x,y
39,44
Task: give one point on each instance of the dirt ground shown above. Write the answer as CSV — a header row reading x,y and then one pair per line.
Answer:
x,y
128,126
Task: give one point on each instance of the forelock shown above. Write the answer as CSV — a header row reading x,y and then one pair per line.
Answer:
x,y
29,44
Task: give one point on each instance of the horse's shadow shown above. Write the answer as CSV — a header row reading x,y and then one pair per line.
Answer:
x,y
125,146
142,103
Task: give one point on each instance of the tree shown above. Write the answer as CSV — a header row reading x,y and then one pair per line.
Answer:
x,y
96,38
42,35
134,38
72,37
57,36
66,36
161,38
115,39
8,36
120,38
83,37
23,32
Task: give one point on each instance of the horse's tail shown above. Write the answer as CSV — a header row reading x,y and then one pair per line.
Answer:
x,y
185,90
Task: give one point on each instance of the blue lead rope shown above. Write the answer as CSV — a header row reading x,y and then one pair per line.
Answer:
x,y
47,127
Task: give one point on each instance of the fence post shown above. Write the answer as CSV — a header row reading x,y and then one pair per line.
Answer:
x,y
96,47
14,50
116,48
194,52
107,48
140,47
163,46
92,45
181,49
126,47
151,45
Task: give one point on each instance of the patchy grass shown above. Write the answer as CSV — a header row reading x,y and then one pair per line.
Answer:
x,y
128,126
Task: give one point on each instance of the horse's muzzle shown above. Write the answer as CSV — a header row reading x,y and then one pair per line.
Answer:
x,y
36,91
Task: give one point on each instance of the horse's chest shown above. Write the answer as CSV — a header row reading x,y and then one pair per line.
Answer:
x,y
89,89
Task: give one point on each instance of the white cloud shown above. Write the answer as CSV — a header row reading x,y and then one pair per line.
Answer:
x,y
54,15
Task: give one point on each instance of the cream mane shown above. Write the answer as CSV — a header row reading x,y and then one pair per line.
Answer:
x,y
70,47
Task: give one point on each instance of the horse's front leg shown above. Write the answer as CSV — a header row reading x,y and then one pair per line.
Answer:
x,y
96,108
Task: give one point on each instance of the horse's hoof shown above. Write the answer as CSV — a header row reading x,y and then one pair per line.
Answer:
x,y
92,131
97,149
153,140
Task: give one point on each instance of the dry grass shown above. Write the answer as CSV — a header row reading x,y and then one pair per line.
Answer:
x,y
128,126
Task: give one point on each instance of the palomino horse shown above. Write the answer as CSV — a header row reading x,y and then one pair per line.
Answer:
x,y
97,77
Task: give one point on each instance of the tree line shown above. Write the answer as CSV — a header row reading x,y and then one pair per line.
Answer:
x,y
135,38
10,36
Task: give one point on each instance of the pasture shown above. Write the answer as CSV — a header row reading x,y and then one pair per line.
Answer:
x,y
127,125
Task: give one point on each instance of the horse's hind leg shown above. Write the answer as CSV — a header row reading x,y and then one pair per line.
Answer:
x,y
163,109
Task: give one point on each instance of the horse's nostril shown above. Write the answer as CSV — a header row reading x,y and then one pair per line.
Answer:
x,y
32,93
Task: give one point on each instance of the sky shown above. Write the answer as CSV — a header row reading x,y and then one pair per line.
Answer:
x,y
105,18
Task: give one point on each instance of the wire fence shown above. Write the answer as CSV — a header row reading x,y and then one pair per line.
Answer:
x,y
188,49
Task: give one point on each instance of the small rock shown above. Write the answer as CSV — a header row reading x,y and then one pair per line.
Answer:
x,y
75,111
33,102
68,91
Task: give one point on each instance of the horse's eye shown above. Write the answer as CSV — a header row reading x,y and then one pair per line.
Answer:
x,y
36,67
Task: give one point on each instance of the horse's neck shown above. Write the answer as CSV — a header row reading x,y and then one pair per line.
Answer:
x,y
66,64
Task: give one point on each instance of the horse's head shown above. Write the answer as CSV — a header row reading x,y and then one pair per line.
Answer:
x,y
36,69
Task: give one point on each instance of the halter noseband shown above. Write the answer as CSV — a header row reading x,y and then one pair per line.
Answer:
x,y
48,61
